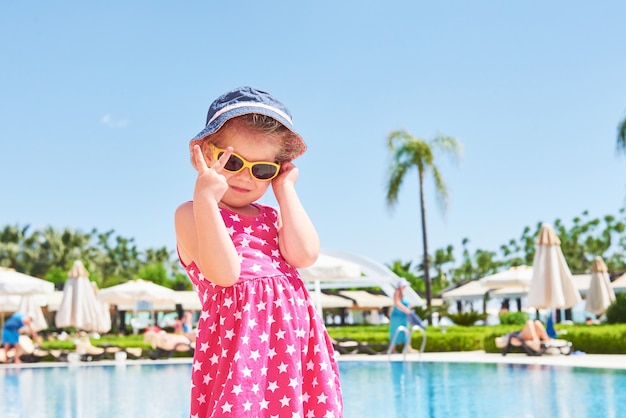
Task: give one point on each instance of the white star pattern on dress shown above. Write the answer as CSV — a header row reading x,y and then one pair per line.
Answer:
x,y
227,407
247,405
261,348
254,355
272,386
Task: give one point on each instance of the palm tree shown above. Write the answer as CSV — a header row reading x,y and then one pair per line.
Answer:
x,y
409,152
621,136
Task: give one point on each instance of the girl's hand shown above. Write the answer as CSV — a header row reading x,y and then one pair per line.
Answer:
x,y
288,176
210,184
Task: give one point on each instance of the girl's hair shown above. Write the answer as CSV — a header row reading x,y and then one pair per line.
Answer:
x,y
273,131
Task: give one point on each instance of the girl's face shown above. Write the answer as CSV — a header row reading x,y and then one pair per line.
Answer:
x,y
243,188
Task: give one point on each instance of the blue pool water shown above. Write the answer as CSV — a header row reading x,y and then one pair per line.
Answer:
x,y
371,389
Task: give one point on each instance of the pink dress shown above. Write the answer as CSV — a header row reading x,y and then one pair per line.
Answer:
x,y
261,348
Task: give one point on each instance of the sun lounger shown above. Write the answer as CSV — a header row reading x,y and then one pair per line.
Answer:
x,y
345,346
349,346
166,344
29,352
89,352
552,346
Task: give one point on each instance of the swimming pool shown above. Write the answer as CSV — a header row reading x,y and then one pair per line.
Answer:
x,y
371,389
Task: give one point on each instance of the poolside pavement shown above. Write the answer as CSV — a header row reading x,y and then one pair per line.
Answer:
x,y
608,361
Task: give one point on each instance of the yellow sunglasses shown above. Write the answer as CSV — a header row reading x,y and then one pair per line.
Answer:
x,y
260,170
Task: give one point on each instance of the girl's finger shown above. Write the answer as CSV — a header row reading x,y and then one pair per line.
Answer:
x,y
198,159
219,164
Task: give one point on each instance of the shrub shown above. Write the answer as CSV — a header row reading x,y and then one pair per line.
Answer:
x,y
616,313
591,339
513,318
597,339
467,319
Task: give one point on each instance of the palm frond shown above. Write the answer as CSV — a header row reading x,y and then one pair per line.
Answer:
x,y
401,136
449,146
441,190
396,178
621,136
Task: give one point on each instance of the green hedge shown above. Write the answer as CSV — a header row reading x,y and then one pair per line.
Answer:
x,y
591,339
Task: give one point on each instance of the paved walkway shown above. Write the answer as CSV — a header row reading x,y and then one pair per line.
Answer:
x,y
608,361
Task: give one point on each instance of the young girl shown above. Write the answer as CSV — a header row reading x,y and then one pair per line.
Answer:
x,y
261,348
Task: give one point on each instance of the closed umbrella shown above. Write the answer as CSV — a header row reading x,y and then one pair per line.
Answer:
x,y
79,307
551,285
600,294
103,322
31,304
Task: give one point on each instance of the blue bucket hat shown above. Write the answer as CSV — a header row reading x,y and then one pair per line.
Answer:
x,y
245,100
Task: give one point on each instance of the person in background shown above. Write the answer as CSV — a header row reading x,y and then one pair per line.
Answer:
x,y
402,315
187,322
11,333
533,334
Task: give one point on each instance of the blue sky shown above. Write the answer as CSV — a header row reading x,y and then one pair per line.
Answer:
x,y
98,102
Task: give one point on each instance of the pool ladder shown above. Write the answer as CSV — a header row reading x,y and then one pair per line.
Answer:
x,y
408,332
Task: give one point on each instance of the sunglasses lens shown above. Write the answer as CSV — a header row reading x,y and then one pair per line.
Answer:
x,y
260,171
264,171
234,163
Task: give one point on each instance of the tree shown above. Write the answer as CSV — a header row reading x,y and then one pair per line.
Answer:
x,y
442,257
408,153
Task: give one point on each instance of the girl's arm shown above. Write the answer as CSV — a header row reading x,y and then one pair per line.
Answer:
x,y
200,231
297,237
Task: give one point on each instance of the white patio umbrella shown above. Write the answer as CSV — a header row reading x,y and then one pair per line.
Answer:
x,y
551,285
337,269
79,307
134,291
619,284
600,294
328,268
15,283
519,276
9,303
